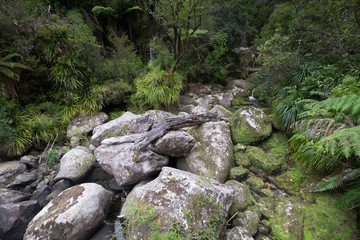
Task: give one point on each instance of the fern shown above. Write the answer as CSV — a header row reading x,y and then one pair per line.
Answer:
x,y
349,105
339,180
317,128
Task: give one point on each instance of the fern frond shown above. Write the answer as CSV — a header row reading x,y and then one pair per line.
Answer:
x,y
339,180
318,128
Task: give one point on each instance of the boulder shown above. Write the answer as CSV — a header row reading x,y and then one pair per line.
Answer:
x,y
255,183
29,160
248,220
221,111
241,159
199,88
73,214
11,167
239,173
12,196
84,124
174,144
224,99
14,218
238,83
75,164
242,198
292,180
213,152
127,124
197,110
287,220
198,207
265,162
23,179
238,233
250,125
204,101
128,165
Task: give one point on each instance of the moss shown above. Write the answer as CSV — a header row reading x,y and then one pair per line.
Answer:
x,y
262,161
242,199
292,180
323,220
255,183
243,132
266,193
239,148
240,101
242,160
239,173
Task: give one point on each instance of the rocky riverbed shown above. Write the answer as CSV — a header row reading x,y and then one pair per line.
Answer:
x,y
228,178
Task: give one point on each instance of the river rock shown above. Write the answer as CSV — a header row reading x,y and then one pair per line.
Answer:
x,y
238,83
224,99
250,125
12,196
238,233
127,124
75,164
128,165
248,220
212,155
239,173
265,162
23,179
242,198
241,159
11,167
174,144
29,160
14,218
73,214
196,205
84,123
221,111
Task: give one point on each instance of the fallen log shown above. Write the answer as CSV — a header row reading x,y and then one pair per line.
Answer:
x,y
161,127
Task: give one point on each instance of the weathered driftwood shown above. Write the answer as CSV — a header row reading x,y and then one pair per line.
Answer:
x,y
161,127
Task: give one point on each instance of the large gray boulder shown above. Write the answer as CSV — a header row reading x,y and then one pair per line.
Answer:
x,y
197,206
174,144
75,164
84,123
127,124
127,164
14,218
11,167
250,125
212,155
73,214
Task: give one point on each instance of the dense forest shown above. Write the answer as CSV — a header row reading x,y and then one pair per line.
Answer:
x,y
62,58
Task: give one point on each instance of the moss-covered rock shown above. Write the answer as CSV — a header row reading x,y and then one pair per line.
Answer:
x,y
250,125
287,220
323,220
265,162
240,101
242,198
239,148
248,220
255,183
213,152
239,173
291,181
241,159
266,193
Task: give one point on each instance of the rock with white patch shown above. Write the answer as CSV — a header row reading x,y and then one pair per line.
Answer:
x,y
127,164
224,99
14,218
75,164
174,144
198,110
238,233
73,214
84,123
127,124
250,125
212,155
197,205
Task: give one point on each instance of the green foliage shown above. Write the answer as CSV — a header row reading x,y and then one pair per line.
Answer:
x,y
53,157
155,89
7,132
